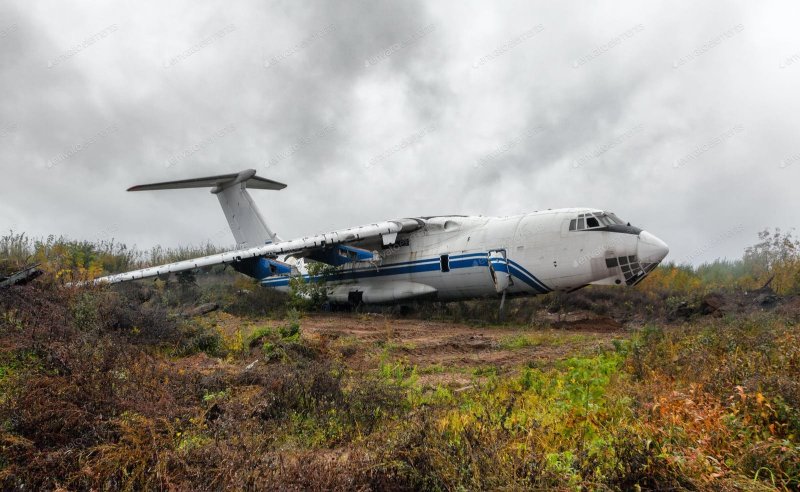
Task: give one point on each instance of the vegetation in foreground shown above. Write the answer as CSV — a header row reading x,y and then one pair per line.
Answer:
x,y
113,389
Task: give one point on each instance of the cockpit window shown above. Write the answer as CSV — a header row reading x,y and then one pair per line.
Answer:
x,y
594,220
614,217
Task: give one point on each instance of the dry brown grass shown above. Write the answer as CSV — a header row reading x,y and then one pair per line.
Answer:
x,y
105,389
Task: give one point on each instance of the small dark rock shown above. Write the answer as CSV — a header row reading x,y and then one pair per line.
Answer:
x,y
348,351
596,324
765,296
201,309
712,303
257,341
767,300
213,413
682,310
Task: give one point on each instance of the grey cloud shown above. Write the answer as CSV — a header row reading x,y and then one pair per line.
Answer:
x,y
310,93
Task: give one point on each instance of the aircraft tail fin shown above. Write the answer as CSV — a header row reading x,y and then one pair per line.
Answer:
x,y
248,226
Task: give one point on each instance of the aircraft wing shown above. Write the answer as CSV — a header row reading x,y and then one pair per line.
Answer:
x,y
308,246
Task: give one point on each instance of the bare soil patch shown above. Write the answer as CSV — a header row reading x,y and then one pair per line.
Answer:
x,y
454,353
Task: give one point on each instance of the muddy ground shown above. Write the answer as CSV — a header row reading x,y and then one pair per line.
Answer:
x,y
443,352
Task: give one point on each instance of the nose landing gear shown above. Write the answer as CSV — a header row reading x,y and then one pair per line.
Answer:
x,y
501,276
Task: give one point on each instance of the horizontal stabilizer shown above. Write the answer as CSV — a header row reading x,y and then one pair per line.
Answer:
x,y
218,182
246,223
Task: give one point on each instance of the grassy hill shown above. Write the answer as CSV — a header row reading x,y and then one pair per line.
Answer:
x,y
690,380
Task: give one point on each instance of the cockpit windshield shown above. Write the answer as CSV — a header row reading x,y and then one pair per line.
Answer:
x,y
594,220
613,217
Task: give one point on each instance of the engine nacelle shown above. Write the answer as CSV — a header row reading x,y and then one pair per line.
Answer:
x,y
261,267
342,254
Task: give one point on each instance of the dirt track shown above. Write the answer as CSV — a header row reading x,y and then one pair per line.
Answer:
x,y
453,353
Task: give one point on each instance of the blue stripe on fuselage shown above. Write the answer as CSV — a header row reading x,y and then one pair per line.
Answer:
x,y
523,273
468,260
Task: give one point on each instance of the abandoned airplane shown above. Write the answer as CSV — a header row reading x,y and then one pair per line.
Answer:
x,y
440,257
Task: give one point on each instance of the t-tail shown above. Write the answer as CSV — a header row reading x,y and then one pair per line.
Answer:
x,y
244,219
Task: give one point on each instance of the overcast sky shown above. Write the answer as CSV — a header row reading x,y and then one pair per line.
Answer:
x,y
681,117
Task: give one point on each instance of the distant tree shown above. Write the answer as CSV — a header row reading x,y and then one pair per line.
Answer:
x,y
776,256
16,250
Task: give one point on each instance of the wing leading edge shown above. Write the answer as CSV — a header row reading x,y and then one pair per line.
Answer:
x,y
300,247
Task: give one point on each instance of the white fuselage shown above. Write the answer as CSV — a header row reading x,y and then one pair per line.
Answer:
x,y
449,258
445,257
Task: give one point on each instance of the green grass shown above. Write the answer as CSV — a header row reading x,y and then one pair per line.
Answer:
x,y
541,339
706,404
432,369
485,370
395,346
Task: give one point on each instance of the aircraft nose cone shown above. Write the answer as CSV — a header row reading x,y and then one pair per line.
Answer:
x,y
650,248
